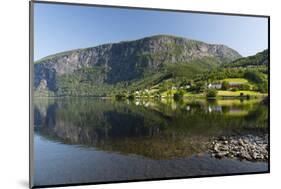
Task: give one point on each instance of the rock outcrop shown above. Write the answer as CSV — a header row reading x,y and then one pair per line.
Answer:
x,y
248,147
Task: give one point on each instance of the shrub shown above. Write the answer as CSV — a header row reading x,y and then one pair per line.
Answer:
x,y
119,96
263,87
131,97
211,93
225,85
178,95
245,87
198,87
255,88
254,76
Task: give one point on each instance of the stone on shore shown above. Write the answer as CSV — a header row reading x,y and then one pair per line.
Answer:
x,y
248,147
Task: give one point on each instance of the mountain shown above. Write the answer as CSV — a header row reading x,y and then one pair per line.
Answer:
x,y
96,70
259,59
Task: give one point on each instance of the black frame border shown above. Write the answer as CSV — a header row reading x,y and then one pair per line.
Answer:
x,y
31,62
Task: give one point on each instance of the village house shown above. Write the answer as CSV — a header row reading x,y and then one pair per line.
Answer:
x,y
235,84
185,87
214,86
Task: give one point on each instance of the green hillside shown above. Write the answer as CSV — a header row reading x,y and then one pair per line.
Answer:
x,y
260,59
157,66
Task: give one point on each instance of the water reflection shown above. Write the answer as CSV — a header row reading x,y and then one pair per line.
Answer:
x,y
158,129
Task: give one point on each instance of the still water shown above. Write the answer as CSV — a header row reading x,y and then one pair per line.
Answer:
x,y
82,140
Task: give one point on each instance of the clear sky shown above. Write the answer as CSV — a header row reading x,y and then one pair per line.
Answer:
x,y
59,28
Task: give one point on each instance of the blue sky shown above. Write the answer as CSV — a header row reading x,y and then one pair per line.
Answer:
x,y
59,28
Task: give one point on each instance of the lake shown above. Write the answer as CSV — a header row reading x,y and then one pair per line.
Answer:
x,y
86,140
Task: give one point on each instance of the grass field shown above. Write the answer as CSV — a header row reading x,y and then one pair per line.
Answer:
x,y
241,81
236,80
237,93
186,94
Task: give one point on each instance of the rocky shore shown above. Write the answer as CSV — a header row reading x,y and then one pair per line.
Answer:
x,y
246,147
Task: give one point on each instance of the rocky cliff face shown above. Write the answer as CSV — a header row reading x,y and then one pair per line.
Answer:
x,y
128,60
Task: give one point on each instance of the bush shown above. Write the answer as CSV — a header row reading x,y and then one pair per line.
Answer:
x,y
178,95
255,88
254,76
234,89
198,87
131,97
119,96
263,87
245,87
211,93
225,85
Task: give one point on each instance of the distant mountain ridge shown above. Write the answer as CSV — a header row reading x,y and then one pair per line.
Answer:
x,y
128,61
259,59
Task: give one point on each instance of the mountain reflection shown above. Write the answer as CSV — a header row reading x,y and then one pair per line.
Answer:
x,y
157,129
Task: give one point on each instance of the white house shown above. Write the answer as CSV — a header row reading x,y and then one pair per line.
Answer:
x,y
187,86
214,86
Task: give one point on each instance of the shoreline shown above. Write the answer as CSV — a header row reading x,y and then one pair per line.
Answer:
x,y
244,147
139,98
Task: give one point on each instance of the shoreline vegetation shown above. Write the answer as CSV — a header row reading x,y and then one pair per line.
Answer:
x,y
242,88
177,96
